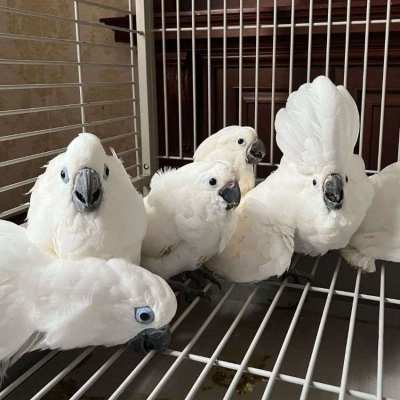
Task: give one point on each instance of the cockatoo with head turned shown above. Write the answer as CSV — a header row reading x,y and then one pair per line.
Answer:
x,y
53,303
85,205
237,145
317,197
191,216
378,237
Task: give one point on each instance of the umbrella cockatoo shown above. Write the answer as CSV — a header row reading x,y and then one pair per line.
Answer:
x,y
85,205
237,145
52,303
190,213
378,237
315,200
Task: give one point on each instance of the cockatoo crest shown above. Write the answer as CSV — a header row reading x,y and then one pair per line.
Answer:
x,y
319,126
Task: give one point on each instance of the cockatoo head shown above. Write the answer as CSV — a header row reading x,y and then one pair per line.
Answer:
x,y
83,193
205,185
144,305
237,145
317,132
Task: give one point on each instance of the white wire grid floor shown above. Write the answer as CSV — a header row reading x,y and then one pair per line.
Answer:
x,y
334,338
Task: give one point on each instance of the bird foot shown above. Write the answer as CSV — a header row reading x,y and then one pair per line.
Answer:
x,y
297,276
187,293
202,276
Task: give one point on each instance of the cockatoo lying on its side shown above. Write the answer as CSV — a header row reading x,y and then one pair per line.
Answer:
x,y
378,237
190,216
85,205
317,197
51,303
237,145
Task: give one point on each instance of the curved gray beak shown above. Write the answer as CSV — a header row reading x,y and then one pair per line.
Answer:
x,y
255,152
333,192
152,339
231,194
88,192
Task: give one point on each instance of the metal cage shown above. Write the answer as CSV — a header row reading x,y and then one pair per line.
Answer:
x,y
335,338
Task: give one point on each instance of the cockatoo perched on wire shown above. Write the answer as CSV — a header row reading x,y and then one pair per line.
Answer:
x,y
378,237
52,303
190,213
317,197
85,205
237,145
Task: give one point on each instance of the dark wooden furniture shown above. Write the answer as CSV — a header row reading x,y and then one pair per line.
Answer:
x,y
355,72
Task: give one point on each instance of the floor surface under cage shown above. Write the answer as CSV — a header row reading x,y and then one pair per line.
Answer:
x,y
294,337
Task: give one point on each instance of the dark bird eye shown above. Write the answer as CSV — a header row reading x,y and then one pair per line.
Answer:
x,y
212,181
347,178
64,175
144,315
314,182
106,171
240,141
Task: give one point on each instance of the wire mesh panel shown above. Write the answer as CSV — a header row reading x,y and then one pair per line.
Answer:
x,y
62,73
239,60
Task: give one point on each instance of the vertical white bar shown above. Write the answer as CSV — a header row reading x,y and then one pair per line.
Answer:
x,y
318,338
310,22
147,90
350,336
209,66
133,88
164,59
194,76
178,63
291,47
379,375
78,60
257,65
273,85
328,37
364,80
224,68
346,47
384,79
240,60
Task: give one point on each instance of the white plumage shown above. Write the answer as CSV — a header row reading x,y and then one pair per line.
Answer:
x,y
46,302
107,223
330,192
262,245
378,237
237,145
317,197
188,219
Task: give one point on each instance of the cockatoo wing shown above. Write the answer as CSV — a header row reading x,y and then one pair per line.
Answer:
x,y
379,234
18,331
258,250
318,126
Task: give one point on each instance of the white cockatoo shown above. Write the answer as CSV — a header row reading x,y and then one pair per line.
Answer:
x,y
378,237
52,303
317,197
237,145
190,213
330,191
84,205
